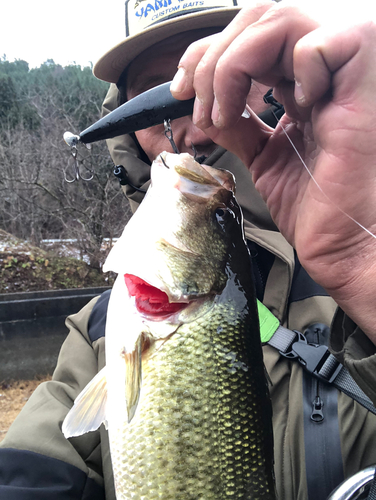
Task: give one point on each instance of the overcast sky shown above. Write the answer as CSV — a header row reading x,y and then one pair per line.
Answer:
x,y
67,31
81,31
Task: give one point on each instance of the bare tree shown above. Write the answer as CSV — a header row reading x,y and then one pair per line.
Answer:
x,y
36,202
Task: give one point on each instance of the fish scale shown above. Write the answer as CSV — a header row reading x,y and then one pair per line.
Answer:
x,y
197,432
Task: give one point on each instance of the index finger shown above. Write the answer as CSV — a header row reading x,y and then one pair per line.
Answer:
x,y
263,51
198,64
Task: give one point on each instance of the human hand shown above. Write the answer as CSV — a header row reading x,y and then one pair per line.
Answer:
x,y
326,81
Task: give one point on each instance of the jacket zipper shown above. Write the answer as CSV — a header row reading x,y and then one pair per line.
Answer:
x,y
317,414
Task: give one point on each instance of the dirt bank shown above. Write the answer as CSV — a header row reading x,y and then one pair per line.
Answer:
x,y
25,268
13,397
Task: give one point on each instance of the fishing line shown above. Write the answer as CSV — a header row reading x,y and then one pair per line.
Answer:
x,y
308,170
319,187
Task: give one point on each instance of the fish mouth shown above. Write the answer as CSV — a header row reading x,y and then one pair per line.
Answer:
x,y
196,180
150,300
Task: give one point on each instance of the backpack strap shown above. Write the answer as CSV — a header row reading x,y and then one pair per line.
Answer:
x,y
98,317
315,359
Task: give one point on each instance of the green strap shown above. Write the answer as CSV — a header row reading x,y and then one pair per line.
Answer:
x,y
268,322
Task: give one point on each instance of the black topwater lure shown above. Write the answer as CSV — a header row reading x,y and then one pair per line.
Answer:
x,y
150,108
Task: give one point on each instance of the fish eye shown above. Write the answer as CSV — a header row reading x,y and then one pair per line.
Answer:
x,y
222,216
220,213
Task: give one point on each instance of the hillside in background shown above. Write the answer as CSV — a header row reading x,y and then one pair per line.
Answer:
x,y
36,107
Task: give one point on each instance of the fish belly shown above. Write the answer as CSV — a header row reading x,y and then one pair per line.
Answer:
x,y
199,432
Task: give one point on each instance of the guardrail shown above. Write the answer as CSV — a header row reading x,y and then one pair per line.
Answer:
x,y
32,329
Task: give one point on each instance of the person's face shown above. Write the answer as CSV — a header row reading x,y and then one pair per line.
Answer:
x,y
157,65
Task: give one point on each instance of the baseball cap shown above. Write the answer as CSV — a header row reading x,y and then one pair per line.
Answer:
x,y
148,22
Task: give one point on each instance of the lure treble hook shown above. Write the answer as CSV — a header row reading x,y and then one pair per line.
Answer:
x,y
72,141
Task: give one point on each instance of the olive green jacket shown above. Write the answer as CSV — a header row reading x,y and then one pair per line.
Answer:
x,y
37,428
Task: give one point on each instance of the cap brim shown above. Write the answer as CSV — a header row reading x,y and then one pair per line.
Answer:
x,y
113,63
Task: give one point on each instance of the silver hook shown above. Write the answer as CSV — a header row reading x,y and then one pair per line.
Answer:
x,y
168,134
77,173
75,169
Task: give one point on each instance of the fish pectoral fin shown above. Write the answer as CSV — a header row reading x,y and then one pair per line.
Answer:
x,y
89,409
133,374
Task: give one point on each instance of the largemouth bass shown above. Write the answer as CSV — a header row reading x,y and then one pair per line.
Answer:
x,y
183,394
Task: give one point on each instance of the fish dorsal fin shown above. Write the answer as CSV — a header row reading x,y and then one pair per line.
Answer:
x,y
89,409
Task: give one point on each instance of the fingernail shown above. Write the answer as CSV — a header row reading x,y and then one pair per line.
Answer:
x,y
179,81
198,111
298,93
216,114
247,112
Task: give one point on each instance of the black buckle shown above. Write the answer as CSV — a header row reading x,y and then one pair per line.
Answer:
x,y
270,99
312,357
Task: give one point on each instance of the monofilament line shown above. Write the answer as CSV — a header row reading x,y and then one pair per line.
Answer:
x,y
317,184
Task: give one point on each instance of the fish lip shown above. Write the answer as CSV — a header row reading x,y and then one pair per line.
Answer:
x,y
156,318
160,316
136,283
190,311
153,302
208,179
